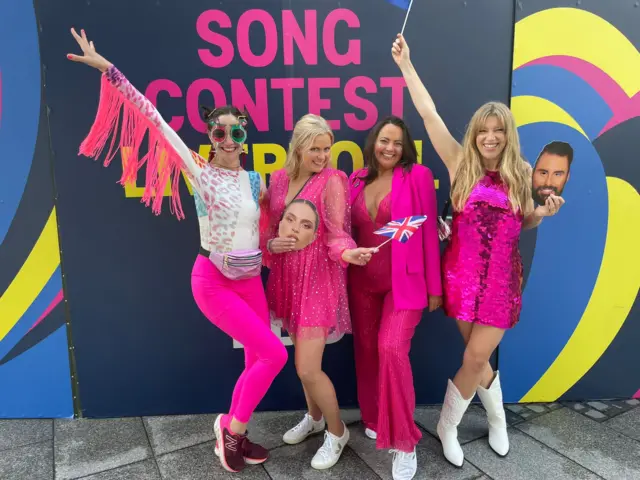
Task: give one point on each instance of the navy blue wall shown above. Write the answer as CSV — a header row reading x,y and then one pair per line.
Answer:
x,y
142,345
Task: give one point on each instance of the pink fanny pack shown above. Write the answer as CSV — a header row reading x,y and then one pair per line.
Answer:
x,y
239,264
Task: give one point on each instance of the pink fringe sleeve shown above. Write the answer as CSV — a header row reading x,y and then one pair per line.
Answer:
x,y
166,155
336,215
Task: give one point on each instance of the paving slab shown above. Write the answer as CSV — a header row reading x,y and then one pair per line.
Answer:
x,y
30,462
591,444
86,446
201,463
146,470
527,460
171,433
17,433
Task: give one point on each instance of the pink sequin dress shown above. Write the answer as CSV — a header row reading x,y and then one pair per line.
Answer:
x,y
307,290
482,267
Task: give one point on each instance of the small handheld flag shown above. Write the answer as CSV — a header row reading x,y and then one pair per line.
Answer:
x,y
406,17
401,230
405,5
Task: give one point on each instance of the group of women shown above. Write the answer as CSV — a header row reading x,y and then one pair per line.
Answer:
x,y
314,228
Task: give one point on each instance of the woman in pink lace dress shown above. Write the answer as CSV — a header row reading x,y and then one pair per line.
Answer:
x,y
306,289
482,269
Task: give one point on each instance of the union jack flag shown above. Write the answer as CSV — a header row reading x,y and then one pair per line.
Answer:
x,y
402,229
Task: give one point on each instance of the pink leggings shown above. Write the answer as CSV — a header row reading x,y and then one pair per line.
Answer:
x,y
239,309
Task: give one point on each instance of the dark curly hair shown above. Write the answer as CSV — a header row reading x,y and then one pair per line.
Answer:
x,y
409,152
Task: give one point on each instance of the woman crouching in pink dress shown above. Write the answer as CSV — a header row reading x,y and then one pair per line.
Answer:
x,y
306,290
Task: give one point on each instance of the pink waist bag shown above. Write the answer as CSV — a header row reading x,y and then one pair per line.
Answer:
x,y
239,264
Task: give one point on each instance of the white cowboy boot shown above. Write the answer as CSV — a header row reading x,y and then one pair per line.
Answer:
x,y
491,398
452,411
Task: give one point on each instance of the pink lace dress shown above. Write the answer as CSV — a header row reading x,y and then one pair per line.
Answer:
x,y
307,290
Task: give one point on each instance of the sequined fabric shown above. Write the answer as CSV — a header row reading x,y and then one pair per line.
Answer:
x,y
482,267
307,290
382,338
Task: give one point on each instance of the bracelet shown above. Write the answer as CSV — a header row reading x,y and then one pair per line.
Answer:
x,y
269,245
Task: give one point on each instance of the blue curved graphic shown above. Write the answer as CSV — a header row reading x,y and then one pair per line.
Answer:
x,y
566,262
40,388
568,91
32,314
20,93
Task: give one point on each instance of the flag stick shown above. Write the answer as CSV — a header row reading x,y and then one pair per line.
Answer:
x,y
406,17
384,243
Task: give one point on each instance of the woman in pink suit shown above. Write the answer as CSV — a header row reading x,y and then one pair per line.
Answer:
x,y
388,295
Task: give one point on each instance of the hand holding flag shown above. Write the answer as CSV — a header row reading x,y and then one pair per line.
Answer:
x,y
401,230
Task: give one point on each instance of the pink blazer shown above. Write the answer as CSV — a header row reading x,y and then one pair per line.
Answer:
x,y
415,265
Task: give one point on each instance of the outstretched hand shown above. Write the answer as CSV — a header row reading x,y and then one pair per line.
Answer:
x,y
400,51
358,256
551,206
90,56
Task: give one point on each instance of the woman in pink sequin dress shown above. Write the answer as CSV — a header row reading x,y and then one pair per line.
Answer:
x,y
482,269
388,295
306,289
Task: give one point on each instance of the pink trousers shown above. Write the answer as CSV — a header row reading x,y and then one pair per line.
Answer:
x,y
382,340
239,309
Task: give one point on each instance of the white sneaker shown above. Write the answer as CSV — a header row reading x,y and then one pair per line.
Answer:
x,y
371,434
308,426
329,453
405,465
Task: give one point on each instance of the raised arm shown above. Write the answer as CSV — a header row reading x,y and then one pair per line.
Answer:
x,y
443,142
167,153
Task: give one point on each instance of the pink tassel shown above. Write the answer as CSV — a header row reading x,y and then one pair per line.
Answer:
x,y
162,161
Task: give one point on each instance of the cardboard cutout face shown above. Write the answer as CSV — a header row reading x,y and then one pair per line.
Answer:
x,y
551,171
300,222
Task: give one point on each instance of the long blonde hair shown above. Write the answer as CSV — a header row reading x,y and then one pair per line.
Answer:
x,y
514,169
305,132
